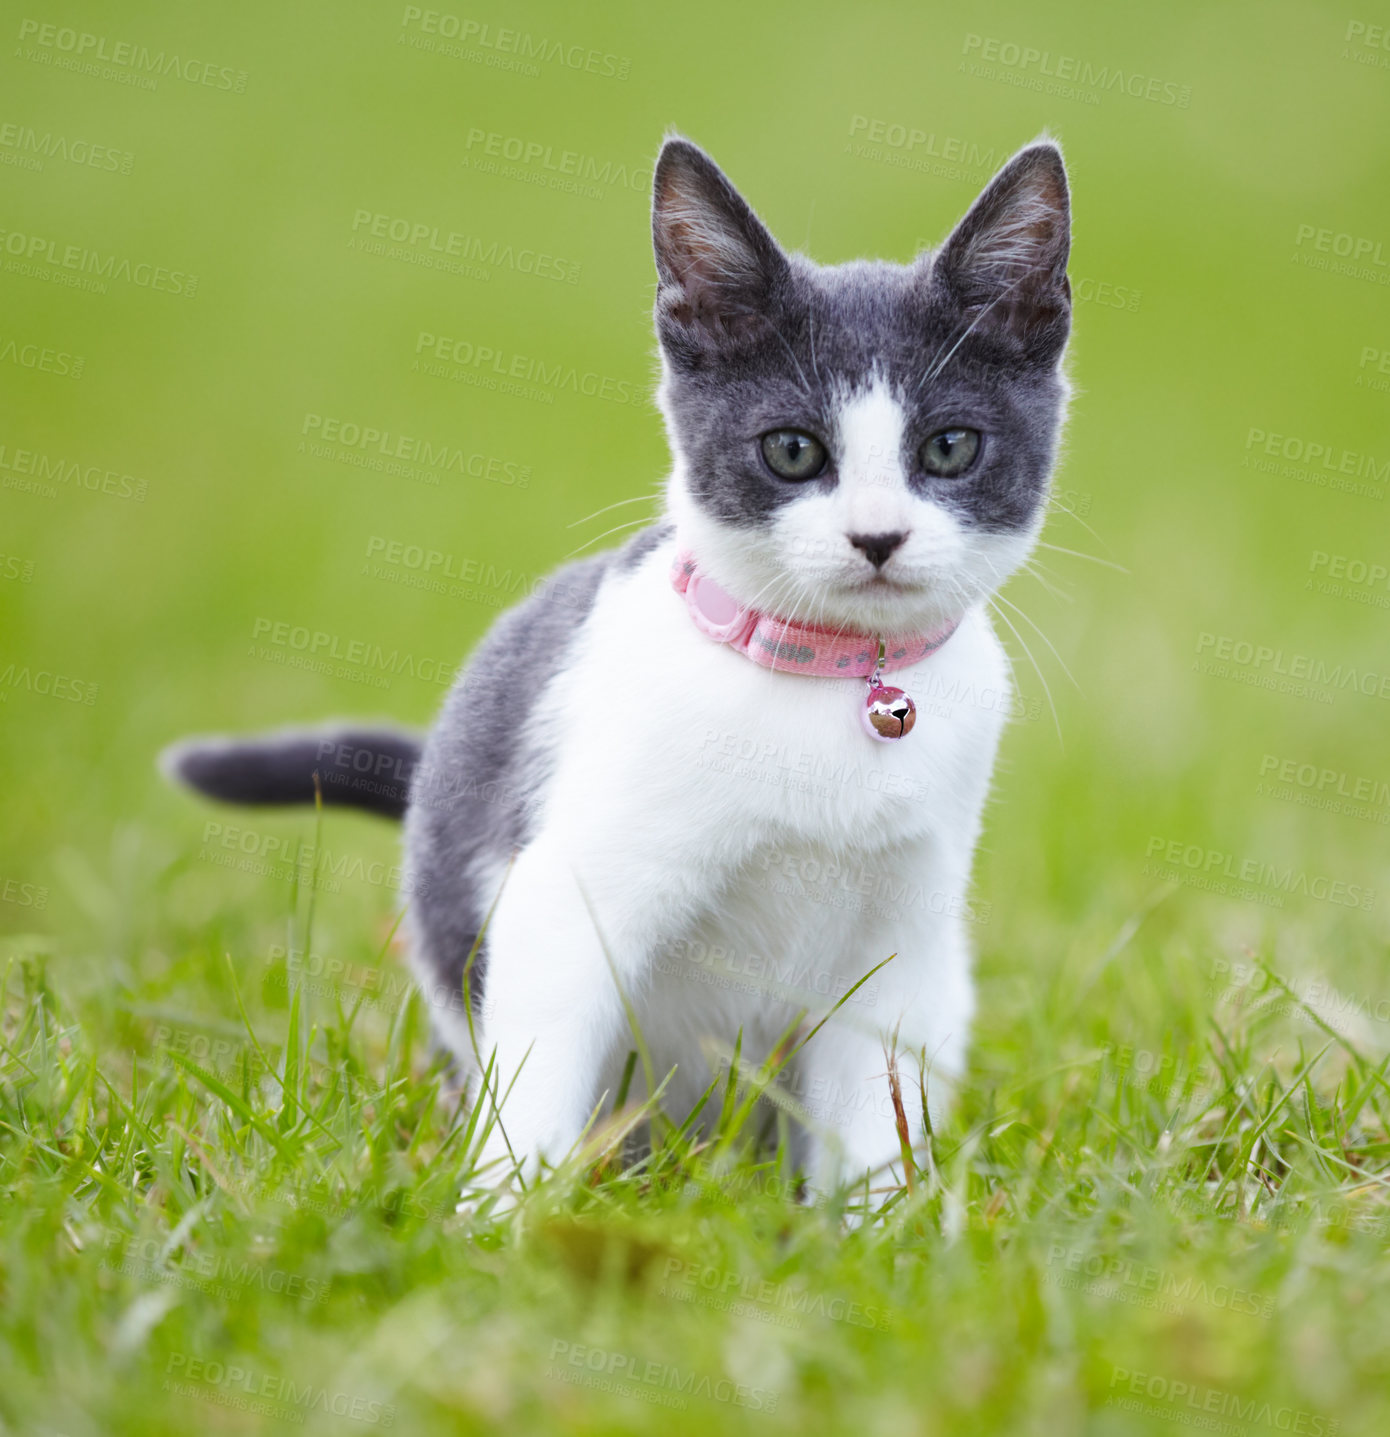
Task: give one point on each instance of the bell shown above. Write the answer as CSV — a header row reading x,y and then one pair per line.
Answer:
x,y
888,714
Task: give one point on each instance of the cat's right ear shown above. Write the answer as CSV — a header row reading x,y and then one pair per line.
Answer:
x,y
718,269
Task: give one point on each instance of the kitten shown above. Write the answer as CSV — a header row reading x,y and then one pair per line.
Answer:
x,y
633,779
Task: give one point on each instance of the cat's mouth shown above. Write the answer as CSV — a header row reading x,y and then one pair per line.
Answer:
x,y
884,584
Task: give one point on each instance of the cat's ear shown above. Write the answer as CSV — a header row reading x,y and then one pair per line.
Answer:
x,y
1005,263
718,269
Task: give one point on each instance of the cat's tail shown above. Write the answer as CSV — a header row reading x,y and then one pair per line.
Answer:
x,y
366,768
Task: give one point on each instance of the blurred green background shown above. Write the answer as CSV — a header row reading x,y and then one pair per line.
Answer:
x,y
187,490
1209,147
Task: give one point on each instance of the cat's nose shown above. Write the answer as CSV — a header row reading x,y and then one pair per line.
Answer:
x,y
878,548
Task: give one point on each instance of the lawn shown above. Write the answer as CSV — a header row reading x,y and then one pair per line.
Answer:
x,y
307,354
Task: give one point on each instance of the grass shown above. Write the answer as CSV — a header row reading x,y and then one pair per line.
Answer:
x,y
231,1197
1159,1203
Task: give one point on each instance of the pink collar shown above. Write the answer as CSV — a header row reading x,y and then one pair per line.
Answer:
x,y
791,647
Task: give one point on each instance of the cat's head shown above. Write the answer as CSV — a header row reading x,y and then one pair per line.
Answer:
x,y
864,445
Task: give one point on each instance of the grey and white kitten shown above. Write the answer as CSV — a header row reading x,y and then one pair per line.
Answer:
x,y
649,816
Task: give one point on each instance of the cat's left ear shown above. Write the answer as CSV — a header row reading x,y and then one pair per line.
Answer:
x,y
1005,263
718,268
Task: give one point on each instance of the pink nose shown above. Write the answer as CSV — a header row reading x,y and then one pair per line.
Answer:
x,y
878,548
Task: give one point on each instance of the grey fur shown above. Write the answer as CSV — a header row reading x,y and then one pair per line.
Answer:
x,y
475,790
756,339
350,766
753,339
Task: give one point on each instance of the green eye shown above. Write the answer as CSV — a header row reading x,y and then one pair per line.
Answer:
x,y
950,452
791,454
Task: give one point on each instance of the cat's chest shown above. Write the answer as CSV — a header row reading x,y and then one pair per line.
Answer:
x,y
666,717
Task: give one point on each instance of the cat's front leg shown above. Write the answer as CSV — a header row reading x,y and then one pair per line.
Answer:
x,y
579,914
923,1009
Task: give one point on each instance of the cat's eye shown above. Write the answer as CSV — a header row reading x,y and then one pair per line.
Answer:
x,y
793,454
950,452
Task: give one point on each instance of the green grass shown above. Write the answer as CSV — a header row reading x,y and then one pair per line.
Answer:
x,y
1208,1211
1164,1171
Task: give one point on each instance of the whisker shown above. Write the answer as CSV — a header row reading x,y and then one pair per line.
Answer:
x,y
1041,635
631,524
1034,572
1013,673
776,579
1075,554
1057,722
1071,513
637,499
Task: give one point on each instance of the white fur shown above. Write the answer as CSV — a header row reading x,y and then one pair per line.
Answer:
x,y
808,569
679,765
